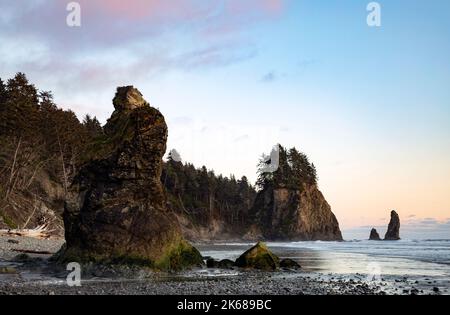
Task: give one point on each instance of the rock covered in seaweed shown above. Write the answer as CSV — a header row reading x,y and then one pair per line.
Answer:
x,y
116,210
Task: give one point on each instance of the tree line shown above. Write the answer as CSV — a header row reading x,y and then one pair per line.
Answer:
x,y
204,196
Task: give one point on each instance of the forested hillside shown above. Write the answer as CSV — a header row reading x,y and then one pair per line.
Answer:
x,y
40,146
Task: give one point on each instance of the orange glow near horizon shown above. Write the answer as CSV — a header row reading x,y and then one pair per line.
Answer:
x,y
416,190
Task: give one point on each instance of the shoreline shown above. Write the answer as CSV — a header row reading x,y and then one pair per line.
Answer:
x,y
37,275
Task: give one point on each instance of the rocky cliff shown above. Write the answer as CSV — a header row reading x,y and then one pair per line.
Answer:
x,y
116,208
295,214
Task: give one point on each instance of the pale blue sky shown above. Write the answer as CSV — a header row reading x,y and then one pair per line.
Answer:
x,y
370,106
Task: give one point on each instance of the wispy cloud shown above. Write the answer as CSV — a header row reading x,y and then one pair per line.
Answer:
x,y
120,42
106,23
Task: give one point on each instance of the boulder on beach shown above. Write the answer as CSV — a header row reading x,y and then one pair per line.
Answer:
x,y
289,264
393,231
115,211
212,263
258,257
374,236
222,264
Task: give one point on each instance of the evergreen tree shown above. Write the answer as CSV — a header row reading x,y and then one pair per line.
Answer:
x,y
293,171
313,172
19,114
264,178
3,95
283,174
204,196
203,182
92,125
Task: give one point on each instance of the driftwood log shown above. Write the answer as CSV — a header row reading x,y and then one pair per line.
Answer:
x,y
41,232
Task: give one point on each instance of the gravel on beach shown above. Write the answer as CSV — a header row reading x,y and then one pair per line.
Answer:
x,y
244,285
10,246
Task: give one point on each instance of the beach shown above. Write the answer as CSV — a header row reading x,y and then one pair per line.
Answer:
x,y
328,268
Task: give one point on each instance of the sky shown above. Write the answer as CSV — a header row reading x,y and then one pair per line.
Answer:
x,y
369,105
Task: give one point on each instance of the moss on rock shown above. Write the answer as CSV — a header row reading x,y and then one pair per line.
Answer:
x,y
258,257
183,256
177,258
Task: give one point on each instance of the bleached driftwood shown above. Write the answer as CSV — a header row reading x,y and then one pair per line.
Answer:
x,y
41,232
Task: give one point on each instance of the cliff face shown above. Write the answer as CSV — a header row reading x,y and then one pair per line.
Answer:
x,y
295,215
41,204
116,208
209,229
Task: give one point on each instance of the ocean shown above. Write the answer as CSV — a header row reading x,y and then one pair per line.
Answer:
x,y
427,260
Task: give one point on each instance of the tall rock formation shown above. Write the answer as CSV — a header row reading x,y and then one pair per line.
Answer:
x,y
289,205
300,214
393,231
374,236
116,208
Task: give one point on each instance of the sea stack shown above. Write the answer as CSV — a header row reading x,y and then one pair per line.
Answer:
x,y
374,236
116,211
290,206
300,214
393,231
